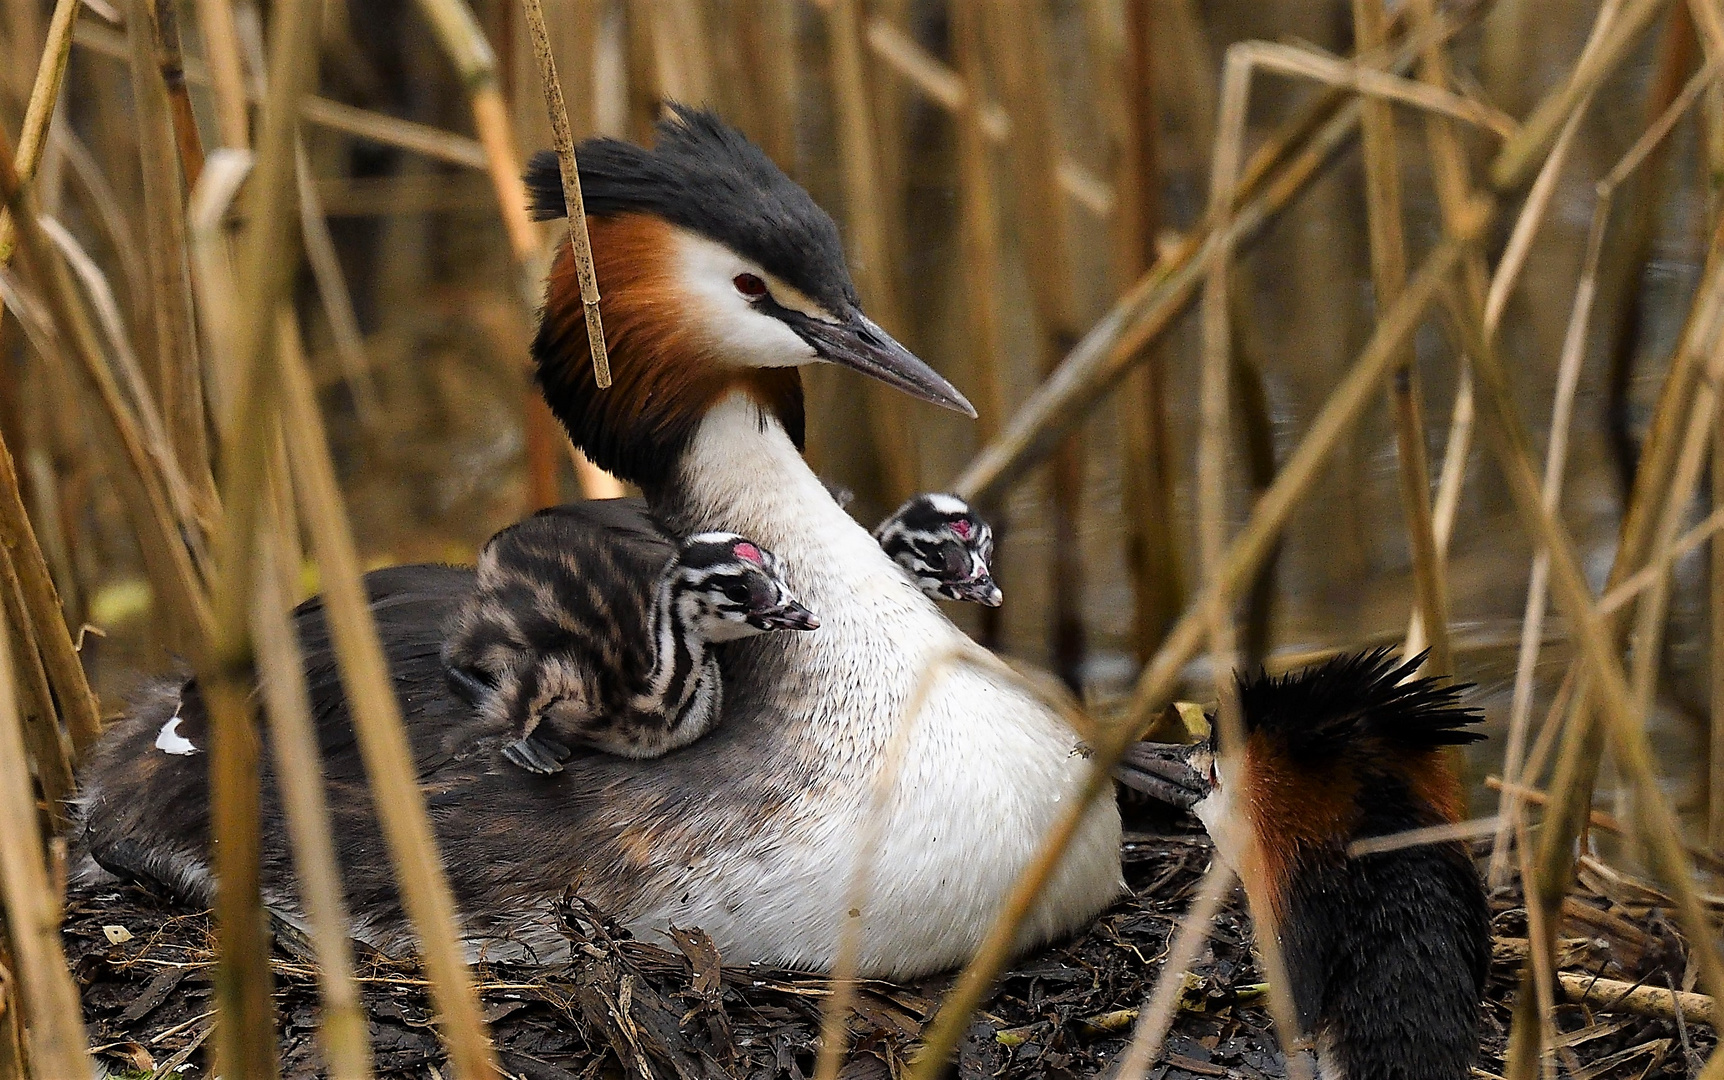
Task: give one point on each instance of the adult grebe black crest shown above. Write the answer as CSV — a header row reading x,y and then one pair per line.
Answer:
x,y
589,637
1387,951
720,278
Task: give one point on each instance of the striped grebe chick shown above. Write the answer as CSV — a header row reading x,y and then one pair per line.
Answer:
x,y
1387,950
944,546
571,637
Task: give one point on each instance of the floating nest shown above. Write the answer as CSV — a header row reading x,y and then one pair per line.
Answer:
x,y
640,1009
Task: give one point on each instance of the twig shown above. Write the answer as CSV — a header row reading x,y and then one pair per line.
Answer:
x,y
55,1027
333,291
226,72
1157,1013
580,245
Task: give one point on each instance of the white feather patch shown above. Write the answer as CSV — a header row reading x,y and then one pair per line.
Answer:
x,y
170,741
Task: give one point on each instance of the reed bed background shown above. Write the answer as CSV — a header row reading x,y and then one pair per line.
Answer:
x,y
1292,327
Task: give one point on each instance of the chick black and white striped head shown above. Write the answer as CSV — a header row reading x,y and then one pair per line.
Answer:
x,y
944,546
725,586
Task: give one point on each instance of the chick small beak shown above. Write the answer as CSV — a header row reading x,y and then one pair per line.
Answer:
x,y
857,343
788,616
980,590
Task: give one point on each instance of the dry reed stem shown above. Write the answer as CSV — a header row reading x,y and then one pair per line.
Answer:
x,y
42,606
1213,420
269,255
1428,834
42,735
1598,819
39,111
54,1017
159,523
213,275
1281,169
1524,149
165,19
1152,544
332,289
226,72
1021,59
1577,763
344,1035
1156,1016
1155,685
382,733
562,140
1389,277
1655,820
869,232
178,386
142,411
432,142
1370,82
1614,995
948,89
980,226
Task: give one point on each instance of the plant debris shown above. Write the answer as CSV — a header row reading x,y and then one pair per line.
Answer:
x,y
672,1009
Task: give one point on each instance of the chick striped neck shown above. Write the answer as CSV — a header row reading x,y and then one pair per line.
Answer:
x,y
682,684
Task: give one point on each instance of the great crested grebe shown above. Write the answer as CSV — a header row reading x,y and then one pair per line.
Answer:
x,y
589,636
944,546
720,278
1386,951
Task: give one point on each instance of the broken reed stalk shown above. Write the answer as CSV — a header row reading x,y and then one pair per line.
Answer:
x,y
1278,172
1156,1016
980,225
1213,430
1614,995
42,735
1244,555
1388,277
869,237
42,607
53,1014
343,1033
39,111
563,141
177,382
381,731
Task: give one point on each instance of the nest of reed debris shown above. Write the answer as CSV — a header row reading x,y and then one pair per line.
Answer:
x,y
638,1009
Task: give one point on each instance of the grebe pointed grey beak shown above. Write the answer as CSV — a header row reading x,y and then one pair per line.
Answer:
x,y
858,343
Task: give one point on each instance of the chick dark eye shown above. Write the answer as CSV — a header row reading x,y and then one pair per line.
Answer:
x,y
736,594
749,285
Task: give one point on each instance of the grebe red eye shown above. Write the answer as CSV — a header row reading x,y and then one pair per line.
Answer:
x,y
749,285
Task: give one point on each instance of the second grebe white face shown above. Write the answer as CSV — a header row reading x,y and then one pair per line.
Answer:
x,y
1223,811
